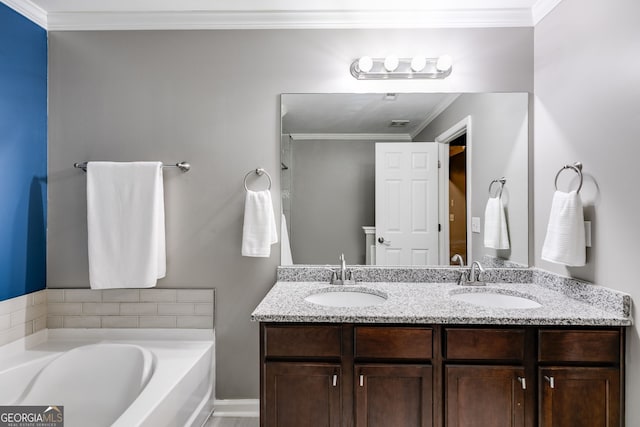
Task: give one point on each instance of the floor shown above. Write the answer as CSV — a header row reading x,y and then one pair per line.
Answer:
x,y
232,422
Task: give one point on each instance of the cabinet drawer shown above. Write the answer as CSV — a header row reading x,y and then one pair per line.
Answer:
x,y
481,344
303,341
579,346
393,342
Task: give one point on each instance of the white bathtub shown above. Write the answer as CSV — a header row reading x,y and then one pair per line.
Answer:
x,y
113,377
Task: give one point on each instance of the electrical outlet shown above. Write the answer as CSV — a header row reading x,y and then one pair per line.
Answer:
x,y
475,224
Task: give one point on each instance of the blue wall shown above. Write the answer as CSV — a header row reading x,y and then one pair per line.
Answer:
x,y
23,154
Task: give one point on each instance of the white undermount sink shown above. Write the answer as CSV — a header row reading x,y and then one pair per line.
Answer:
x,y
495,299
346,297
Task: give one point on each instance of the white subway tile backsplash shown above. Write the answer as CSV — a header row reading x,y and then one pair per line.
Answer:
x,y
158,321
82,295
157,295
110,308
55,295
121,295
39,324
204,309
200,322
27,314
176,308
14,304
5,321
39,297
65,308
138,308
195,295
54,322
15,333
81,322
119,321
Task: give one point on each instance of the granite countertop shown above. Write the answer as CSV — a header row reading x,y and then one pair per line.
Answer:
x,y
431,303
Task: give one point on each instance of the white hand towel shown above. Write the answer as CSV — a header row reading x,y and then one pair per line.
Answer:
x,y
125,221
565,240
259,229
496,235
285,245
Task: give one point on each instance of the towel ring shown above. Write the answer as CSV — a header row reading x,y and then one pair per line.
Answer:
x,y
500,181
577,167
258,172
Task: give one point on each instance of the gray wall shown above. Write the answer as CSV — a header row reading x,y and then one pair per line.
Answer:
x,y
212,98
334,190
499,130
586,109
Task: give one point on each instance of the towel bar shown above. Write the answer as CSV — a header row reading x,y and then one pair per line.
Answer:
x,y
183,166
577,167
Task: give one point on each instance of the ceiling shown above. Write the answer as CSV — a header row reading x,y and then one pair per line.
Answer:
x,y
64,15
360,116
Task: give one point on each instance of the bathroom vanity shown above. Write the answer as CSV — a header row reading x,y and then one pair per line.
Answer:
x,y
433,375
422,358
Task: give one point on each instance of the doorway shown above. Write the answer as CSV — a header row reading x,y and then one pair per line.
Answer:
x,y
458,197
454,153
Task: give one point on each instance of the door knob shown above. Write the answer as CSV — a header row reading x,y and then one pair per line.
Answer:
x,y
384,242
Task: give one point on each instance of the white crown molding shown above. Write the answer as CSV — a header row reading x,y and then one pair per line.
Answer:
x,y
541,8
282,19
29,10
443,105
351,136
193,20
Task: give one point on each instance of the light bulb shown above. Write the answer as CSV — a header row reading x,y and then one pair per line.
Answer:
x,y
444,63
391,62
418,63
365,64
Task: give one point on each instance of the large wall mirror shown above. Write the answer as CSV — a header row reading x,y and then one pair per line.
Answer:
x,y
404,178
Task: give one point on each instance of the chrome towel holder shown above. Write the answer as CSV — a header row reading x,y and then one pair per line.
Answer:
x,y
259,172
500,181
577,167
183,166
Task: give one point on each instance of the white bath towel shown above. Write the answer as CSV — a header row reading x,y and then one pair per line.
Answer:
x,y
565,240
285,245
496,234
259,229
125,221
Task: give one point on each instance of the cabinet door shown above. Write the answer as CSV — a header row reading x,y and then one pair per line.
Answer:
x,y
579,397
302,394
393,395
485,396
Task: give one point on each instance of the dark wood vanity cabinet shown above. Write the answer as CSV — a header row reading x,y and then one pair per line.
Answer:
x,y
393,376
393,395
486,377
454,376
580,378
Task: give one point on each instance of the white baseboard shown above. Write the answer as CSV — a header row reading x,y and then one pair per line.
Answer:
x,y
236,408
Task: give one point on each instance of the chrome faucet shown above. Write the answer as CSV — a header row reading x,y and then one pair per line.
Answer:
x,y
343,276
343,267
463,275
472,278
458,258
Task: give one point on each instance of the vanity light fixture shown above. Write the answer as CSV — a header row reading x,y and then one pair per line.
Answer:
x,y
393,67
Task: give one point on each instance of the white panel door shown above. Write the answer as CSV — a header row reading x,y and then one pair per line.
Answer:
x,y
406,203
